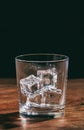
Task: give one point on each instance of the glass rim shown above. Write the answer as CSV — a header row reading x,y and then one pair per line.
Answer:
x,y
64,57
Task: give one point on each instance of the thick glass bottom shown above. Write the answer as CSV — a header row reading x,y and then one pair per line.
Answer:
x,y
47,114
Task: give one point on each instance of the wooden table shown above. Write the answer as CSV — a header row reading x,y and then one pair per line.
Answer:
x,y
74,114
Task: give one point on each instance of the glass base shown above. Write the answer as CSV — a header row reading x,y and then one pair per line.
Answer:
x,y
55,111
42,115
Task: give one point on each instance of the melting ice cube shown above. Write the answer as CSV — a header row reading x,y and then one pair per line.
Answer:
x,y
29,84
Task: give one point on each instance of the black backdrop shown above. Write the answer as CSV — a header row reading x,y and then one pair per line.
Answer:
x,y
42,33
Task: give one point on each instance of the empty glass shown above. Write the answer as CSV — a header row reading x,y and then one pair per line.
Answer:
x,y
41,81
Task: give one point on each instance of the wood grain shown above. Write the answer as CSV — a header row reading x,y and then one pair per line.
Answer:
x,y
74,113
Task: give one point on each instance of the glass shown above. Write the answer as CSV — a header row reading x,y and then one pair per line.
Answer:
x,y
42,82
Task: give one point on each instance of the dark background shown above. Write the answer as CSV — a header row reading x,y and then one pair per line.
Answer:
x,y
42,30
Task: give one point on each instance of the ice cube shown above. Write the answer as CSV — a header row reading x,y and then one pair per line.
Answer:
x,y
52,97
29,84
45,95
48,76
